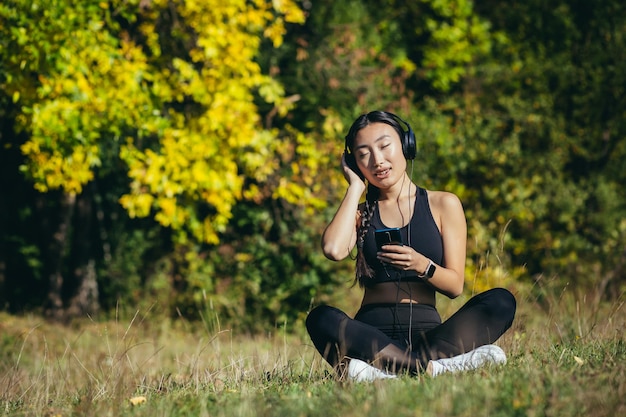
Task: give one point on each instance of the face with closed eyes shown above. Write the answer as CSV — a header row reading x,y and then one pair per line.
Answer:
x,y
378,153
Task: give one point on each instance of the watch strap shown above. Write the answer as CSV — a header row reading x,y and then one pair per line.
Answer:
x,y
429,272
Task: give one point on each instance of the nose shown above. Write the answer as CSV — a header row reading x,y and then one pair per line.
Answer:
x,y
377,157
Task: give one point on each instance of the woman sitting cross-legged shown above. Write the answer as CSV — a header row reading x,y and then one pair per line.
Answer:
x,y
411,244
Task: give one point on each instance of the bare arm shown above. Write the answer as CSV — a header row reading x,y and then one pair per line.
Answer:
x,y
449,279
340,235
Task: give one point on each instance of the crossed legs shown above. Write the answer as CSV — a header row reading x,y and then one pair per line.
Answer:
x,y
482,320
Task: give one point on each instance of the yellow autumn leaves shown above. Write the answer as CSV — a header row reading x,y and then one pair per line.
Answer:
x,y
138,400
170,92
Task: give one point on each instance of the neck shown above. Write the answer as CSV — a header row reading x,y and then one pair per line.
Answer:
x,y
401,189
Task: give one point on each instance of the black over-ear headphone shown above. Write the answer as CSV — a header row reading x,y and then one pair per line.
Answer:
x,y
409,146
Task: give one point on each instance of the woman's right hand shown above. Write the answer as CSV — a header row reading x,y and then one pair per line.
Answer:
x,y
349,174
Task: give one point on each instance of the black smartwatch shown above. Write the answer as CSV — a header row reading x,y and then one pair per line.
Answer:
x,y
430,270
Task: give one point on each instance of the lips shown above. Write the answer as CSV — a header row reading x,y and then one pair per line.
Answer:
x,y
382,173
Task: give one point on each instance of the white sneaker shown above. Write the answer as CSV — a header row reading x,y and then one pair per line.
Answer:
x,y
360,371
483,355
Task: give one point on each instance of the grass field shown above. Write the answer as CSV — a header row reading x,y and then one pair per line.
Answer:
x,y
567,357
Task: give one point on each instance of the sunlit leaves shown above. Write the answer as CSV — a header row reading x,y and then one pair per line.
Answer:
x,y
457,37
201,158
92,89
184,120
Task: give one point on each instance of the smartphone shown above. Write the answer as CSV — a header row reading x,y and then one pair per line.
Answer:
x,y
389,236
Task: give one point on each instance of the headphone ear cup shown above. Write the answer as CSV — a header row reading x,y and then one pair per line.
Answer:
x,y
409,144
409,147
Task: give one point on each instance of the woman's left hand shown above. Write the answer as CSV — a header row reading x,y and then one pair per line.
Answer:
x,y
402,257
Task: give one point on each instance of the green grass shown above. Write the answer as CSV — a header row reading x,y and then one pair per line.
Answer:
x,y
567,357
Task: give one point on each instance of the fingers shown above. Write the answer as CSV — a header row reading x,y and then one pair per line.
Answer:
x,y
397,256
398,261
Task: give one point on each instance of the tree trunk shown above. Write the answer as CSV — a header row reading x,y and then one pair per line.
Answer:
x,y
84,300
56,249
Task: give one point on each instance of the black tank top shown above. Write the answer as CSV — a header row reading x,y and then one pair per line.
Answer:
x,y
425,238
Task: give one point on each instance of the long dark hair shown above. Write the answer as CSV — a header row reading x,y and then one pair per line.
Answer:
x,y
363,270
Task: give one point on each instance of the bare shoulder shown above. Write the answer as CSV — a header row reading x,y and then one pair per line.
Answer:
x,y
444,201
446,209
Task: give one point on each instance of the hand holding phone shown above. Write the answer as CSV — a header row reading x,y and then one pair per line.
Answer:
x,y
390,236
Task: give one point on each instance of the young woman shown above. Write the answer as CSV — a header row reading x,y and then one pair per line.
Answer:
x,y
397,328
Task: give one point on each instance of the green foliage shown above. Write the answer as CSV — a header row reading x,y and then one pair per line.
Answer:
x,y
456,38
344,60
269,270
124,287
559,66
219,126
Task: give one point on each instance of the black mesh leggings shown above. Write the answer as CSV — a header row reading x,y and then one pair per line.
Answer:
x,y
380,332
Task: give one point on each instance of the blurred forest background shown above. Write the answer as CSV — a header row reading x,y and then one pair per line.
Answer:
x,y
184,155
